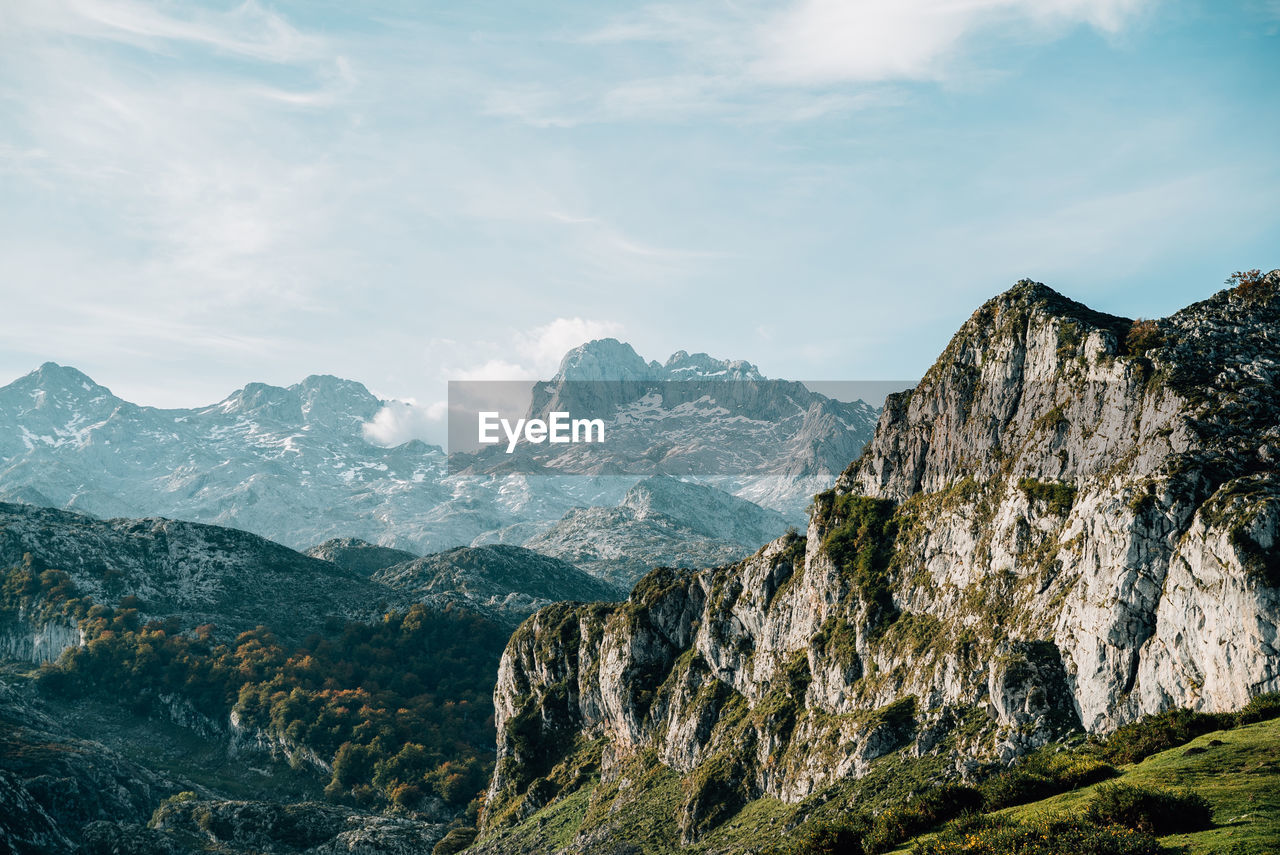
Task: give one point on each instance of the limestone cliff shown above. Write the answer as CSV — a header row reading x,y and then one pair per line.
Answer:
x,y
1072,521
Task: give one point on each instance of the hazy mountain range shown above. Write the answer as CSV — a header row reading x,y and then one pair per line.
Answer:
x,y
294,464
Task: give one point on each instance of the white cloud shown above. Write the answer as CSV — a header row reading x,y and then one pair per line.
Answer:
x,y
532,354
823,41
496,369
544,346
400,421
195,161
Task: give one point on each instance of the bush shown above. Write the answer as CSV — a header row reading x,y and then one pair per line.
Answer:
x,y
1059,496
1057,836
1151,811
1143,336
455,841
831,838
1041,775
1261,708
1161,731
919,813
1250,285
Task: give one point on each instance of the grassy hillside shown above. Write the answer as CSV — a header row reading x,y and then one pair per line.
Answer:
x,y
1237,771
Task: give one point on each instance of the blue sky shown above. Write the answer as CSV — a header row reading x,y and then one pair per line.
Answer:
x,y
194,196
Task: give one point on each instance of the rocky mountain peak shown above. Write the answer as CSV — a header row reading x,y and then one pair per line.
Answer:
x,y
319,399
699,366
704,509
604,359
264,401
1071,522
334,401
1020,387
53,406
52,384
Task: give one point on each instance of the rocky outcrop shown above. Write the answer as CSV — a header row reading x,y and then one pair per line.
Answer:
x,y
360,556
36,642
1072,521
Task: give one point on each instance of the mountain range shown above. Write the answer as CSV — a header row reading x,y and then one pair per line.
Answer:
x,y
295,465
1055,557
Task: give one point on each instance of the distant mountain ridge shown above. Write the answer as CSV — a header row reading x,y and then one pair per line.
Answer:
x,y
773,442
293,464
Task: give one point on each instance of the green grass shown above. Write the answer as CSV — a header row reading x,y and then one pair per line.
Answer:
x,y
1240,778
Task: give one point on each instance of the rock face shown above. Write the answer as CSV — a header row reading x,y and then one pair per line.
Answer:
x,y
661,521
1072,521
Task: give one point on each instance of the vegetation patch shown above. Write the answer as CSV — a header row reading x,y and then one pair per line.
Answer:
x,y
1142,337
860,543
400,708
1161,731
1153,811
1042,774
984,835
1057,496
1251,286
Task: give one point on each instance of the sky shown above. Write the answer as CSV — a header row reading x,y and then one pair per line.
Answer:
x,y
194,196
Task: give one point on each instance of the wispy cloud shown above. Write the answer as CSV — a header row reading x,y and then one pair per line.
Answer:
x,y
246,30
757,61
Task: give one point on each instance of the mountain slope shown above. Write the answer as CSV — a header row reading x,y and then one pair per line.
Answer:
x,y
1071,522
509,581
261,654
199,574
358,555
661,521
